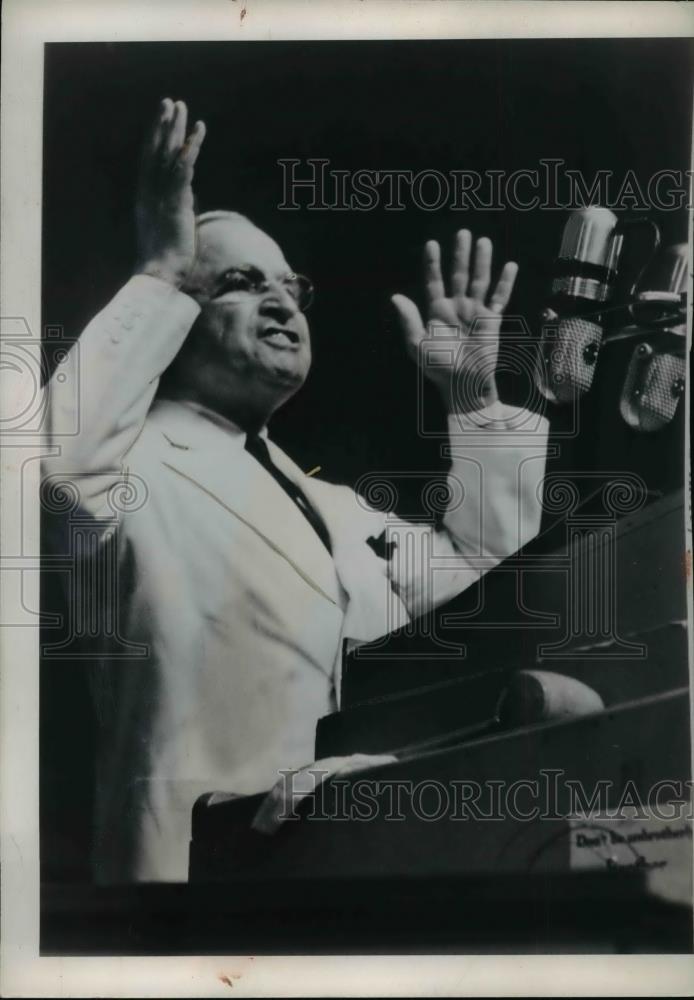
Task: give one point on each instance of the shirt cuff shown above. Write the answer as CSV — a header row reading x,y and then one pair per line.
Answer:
x,y
501,416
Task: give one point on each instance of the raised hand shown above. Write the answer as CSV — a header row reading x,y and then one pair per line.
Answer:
x,y
464,325
164,210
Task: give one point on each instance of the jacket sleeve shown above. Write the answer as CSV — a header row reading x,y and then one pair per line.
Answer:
x,y
98,399
492,507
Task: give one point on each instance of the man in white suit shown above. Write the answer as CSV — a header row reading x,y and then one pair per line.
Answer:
x,y
239,575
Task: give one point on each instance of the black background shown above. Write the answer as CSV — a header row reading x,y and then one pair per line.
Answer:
x,y
614,105
597,104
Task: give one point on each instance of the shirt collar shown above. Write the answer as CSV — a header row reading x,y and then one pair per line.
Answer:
x,y
216,418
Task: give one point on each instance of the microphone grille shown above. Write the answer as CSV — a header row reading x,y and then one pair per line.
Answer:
x,y
569,351
652,388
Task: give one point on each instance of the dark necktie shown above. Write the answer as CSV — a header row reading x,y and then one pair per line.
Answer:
x,y
257,447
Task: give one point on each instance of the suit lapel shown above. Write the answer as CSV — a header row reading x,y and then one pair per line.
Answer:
x,y
214,460
374,609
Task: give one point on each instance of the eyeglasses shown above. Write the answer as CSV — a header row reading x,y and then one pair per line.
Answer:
x,y
250,280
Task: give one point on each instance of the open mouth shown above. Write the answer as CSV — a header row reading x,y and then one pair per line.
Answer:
x,y
280,336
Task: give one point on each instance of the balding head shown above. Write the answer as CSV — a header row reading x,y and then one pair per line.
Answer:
x,y
228,239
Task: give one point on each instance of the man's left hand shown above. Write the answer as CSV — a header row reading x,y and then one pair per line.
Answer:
x,y
464,325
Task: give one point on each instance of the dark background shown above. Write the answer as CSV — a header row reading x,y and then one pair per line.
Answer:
x,y
599,105
614,105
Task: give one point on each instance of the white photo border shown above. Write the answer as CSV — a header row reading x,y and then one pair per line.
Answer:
x,y
28,24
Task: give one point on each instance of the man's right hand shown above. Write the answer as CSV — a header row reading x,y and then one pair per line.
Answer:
x,y
164,212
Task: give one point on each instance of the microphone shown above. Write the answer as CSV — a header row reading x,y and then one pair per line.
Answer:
x,y
655,378
583,282
663,296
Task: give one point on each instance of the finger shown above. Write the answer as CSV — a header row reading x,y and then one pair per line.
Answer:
x,y
482,270
461,262
158,130
504,287
184,164
410,320
177,131
192,145
433,280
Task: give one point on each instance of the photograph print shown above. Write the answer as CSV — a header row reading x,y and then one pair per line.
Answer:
x,y
364,558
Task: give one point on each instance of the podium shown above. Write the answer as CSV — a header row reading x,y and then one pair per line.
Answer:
x,y
589,815
434,854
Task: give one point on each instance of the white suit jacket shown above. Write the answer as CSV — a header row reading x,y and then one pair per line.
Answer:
x,y
234,610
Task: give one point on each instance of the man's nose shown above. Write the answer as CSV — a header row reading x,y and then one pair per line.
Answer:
x,y
279,304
